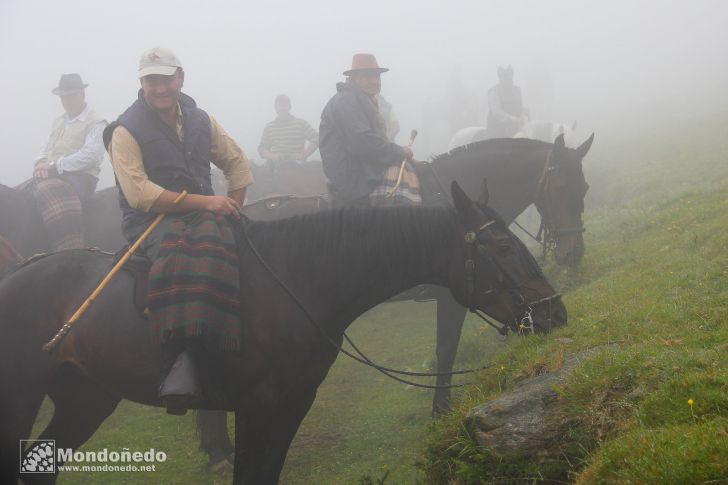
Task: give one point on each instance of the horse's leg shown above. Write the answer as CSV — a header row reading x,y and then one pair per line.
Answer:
x,y
450,318
80,408
18,410
261,446
282,431
214,438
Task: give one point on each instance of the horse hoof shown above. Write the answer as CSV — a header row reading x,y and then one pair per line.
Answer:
x,y
218,464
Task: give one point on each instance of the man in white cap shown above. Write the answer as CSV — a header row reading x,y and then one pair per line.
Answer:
x,y
357,155
67,168
161,145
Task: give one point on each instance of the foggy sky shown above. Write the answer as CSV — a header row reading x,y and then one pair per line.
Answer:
x,y
602,63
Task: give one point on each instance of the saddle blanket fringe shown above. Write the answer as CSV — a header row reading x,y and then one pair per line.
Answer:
x,y
194,284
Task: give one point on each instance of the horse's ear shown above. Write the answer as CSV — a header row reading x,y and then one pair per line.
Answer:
x,y
484,194
462,202
559,143
584,147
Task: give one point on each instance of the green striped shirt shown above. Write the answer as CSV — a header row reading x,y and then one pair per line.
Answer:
x,y
287,136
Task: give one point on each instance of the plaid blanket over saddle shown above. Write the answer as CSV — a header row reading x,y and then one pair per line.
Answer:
x,y
194,284
407,193
60,209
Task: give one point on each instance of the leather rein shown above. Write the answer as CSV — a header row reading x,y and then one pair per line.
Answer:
x,y
526,323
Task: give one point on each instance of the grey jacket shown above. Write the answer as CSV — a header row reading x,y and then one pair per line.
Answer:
x,y
354,147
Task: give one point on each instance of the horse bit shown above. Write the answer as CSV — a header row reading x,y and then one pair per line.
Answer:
x,y
526,323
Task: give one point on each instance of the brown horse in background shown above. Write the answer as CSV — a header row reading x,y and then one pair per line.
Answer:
x,y
9,257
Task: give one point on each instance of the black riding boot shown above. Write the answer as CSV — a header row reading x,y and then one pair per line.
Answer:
x,y
179,388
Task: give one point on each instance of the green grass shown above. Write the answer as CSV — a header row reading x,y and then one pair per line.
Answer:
x,y
655,284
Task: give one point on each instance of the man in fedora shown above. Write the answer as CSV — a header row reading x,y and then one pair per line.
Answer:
x,y
162,145
67,168
358,158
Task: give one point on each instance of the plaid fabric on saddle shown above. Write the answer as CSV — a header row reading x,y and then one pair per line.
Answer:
x,y
194,285
388,193
60,209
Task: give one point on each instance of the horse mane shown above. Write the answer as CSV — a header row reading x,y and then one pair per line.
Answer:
x,y
356,231
479,147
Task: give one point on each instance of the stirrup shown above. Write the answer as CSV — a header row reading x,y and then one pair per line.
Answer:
x,y
180,389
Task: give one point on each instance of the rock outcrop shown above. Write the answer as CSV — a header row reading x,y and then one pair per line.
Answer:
x,y
522,421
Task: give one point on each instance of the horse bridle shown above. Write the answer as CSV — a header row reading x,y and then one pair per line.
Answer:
x,y
526,324
548,234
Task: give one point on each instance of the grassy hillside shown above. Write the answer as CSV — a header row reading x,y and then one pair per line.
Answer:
x,y
654,281
654,408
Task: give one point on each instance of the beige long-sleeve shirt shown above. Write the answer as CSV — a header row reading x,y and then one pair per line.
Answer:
x,y
126,158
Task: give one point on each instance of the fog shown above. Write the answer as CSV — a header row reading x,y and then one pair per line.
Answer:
x,y
610,65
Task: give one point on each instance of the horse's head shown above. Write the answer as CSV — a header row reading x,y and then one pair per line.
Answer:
x,y
560,201
499,275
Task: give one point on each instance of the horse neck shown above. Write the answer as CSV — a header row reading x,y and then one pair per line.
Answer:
x,y
513,168
348,261
9,258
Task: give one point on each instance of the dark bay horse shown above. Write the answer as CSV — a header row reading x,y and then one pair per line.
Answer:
x,y
338,263
9,257
520,172
21,224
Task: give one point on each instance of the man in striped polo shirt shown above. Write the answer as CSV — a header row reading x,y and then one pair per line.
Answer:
x,y
287,138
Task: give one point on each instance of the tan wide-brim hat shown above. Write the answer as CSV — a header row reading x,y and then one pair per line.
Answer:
x,y
364,62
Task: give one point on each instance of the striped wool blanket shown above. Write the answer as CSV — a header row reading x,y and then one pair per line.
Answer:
x,y
194,283
408,192
60,210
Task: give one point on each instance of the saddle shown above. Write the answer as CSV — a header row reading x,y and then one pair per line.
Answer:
x,y
139,267
431,189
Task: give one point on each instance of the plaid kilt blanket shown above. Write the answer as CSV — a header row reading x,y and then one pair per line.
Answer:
x,y
194,283
408,192
60,210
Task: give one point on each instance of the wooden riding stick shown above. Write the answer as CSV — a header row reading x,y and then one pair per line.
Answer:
x,y
86,304
413,135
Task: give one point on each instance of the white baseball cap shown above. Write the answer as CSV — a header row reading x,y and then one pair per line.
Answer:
x,y
158,60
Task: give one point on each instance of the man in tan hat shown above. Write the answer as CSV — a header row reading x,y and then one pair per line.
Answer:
x,y
357,156
67,168
161,145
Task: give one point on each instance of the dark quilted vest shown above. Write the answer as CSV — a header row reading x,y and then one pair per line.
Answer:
x,y
169,163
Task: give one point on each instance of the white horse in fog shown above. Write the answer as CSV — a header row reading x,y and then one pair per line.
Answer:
x,y
537,130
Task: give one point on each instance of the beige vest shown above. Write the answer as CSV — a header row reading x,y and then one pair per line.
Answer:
x,y
70,138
